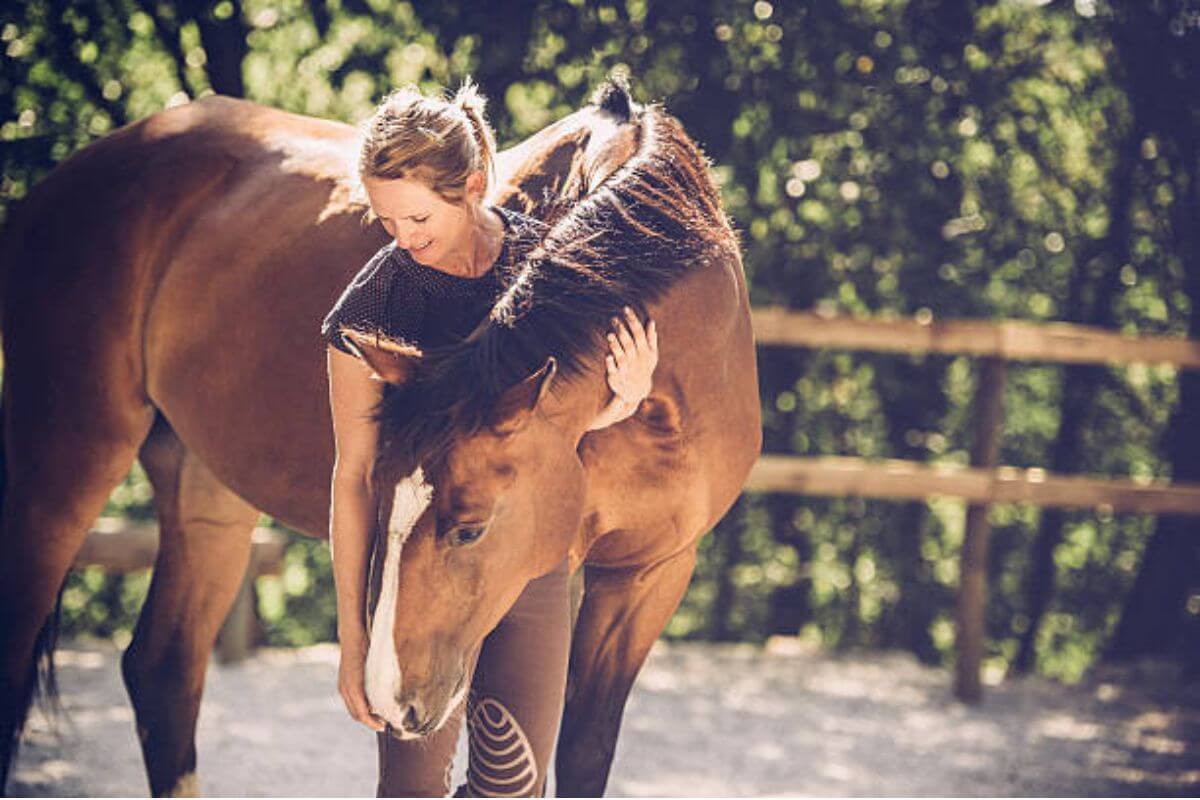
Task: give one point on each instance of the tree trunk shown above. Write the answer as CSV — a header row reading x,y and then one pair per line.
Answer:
x,y
908,624
789,607
1155,619
1163,58
62,45
1080,386
225,48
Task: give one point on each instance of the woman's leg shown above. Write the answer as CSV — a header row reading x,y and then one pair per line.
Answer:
x,y
515,706
413,767
418,767
517,693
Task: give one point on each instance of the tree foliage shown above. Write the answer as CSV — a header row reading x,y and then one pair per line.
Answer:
x,y
932,158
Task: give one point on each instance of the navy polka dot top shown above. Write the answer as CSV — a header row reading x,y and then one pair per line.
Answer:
x,y
401,298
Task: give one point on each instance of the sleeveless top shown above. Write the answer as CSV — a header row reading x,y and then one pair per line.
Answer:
x,y
397,296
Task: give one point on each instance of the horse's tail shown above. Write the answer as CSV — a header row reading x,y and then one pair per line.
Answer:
x,y
40,681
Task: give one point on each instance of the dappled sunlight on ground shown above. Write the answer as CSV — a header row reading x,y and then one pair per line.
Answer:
x,y
740,721
703,720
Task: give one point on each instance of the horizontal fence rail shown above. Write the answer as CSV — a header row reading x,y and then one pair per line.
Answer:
x,y
1008,340
983,482
121,545
842,476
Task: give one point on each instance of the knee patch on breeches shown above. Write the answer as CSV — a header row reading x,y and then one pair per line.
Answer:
x,y
502,762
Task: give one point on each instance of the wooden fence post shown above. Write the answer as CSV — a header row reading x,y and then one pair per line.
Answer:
x,y
972,583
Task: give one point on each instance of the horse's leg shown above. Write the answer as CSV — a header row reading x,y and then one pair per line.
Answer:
x,y
71,432
204,547
623,612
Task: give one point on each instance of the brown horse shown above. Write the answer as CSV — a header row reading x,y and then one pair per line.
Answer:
x,y
495,478
161,292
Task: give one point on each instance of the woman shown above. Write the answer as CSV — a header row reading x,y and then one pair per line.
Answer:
x,y
426,164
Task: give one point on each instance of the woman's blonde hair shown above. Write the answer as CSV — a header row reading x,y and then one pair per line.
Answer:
x,y
440,142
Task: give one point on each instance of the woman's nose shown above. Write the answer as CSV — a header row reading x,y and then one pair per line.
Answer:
x,y
410,238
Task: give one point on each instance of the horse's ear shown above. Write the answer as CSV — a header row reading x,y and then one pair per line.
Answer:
x,y
391,360
516,405
613,96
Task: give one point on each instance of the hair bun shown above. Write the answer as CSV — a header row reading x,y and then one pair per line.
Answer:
x,y
469,98
471,102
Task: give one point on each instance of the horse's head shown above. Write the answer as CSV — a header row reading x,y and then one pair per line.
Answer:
x,y
478,466
554,168
490,508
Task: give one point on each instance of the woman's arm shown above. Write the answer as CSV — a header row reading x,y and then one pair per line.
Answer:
x,y
633,355
352,396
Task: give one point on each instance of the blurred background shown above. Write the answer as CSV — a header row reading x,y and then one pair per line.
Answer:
x,y
924,159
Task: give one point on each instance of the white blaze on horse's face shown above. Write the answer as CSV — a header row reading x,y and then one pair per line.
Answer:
x,y
412,497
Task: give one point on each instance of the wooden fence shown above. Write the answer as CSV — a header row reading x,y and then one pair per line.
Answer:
x,y
128,546
120,545
982,483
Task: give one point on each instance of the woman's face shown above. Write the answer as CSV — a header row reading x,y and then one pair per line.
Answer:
x,y
420,220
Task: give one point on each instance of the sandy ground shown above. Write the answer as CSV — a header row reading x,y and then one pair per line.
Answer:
x,y
703,720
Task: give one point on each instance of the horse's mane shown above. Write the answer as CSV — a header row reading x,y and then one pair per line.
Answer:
x,y
625,243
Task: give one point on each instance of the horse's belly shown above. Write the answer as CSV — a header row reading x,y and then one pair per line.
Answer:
x,y
236,363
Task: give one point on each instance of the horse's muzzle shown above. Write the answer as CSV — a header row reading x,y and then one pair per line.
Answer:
x,y
418,719
414,724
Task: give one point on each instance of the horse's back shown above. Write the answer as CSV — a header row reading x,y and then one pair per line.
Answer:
x,y
185,262
101,224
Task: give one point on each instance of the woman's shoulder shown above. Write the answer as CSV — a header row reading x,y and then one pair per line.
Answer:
x,y
376,270
364,303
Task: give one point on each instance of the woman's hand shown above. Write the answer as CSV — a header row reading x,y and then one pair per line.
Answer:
x,y
630,367
634,356
352,681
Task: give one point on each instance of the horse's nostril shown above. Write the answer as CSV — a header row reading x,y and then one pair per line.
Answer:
x,y
411,722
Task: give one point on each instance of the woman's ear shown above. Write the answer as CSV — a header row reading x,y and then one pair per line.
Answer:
x,y
475,185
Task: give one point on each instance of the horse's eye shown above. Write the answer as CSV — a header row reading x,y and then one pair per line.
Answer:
x,y
465,534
